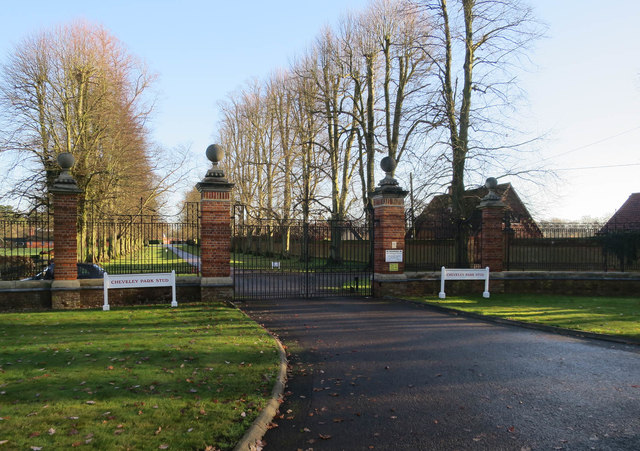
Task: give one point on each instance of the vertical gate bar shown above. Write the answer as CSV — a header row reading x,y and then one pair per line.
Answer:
x,y
307,256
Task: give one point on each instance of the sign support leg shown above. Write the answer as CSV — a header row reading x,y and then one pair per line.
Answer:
x,y
174,302
105,289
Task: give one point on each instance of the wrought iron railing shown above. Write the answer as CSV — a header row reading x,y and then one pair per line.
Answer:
x,y
142,243
26,244
430,245
574,247
296,258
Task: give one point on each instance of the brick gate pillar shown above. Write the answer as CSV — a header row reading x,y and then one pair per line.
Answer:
x,y
215,231
492,240
388,232
65,288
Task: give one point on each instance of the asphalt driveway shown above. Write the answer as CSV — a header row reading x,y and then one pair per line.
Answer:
x,y
385,375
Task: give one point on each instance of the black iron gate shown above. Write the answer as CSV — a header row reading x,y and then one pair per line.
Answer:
x,y
301,259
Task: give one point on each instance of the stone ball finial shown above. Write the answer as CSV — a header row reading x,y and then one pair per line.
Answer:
x,y
215,153
492,198
388,164
65,160
491,183
65,183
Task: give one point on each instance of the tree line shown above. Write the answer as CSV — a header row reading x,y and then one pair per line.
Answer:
x,y
430,83
75,88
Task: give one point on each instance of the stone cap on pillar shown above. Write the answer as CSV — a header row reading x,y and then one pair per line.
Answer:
x,y
389,186
65,183
491,200
214,180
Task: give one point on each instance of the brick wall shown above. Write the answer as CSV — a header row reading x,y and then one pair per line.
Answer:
x,y
389,228
215,244
571,284
65,207
492,238
37,295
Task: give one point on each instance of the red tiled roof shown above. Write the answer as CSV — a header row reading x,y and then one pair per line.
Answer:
x,y
628,214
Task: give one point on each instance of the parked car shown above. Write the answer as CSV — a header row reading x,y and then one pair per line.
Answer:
x,y
85,271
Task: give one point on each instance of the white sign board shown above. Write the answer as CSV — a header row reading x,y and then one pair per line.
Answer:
x,y
464,274
393,256
139,281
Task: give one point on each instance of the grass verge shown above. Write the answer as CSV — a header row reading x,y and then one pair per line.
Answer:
x,y
602,315
132,378
152,258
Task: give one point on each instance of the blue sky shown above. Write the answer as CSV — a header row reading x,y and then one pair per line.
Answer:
x,y
584,92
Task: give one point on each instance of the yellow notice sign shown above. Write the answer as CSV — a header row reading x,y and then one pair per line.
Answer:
x,y
393,266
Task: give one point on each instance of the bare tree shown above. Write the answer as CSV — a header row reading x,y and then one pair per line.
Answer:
x,y
390,71
336,114
75,89
477,44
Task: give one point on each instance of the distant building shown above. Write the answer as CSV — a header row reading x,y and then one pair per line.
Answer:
x,y
627,217
436,221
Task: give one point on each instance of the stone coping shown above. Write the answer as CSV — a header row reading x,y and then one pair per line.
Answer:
x,y
533,275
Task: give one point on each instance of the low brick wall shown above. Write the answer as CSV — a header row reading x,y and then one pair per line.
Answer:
x,y
28,295
537,282
36,294
572,283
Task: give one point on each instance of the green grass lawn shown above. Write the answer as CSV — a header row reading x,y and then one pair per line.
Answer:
x,y
154,258
293,263
132,378
602,315
23,251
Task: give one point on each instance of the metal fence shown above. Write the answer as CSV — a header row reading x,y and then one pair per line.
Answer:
x,y
574,247
26,244
143,243
297,258
431,245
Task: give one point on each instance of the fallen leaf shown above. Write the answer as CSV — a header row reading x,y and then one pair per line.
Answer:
x,y
2,442
163,446
34,434
158,431
36,448
324,436
90,402
51,431
511,429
